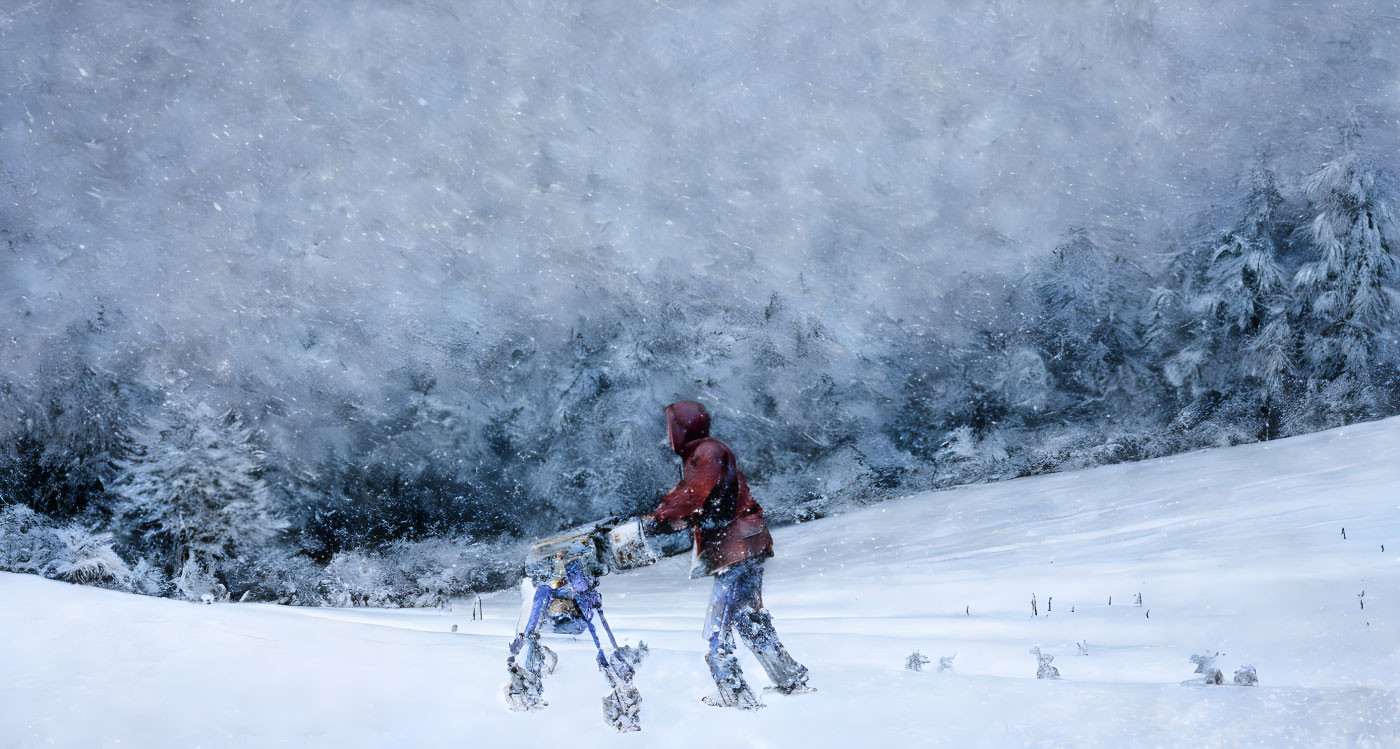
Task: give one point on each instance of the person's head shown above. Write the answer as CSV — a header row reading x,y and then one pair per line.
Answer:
x,y
686,422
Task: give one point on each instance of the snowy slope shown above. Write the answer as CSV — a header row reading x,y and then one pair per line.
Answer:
x,y
1235,550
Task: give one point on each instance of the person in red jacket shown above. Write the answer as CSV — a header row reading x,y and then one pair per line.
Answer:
x,y
713,503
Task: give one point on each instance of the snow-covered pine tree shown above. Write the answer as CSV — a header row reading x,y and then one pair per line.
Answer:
x,y
60,437
1244,272
1232,299
26,545
87,429
1345,298
1086,326
194,494
1271,356
1169,326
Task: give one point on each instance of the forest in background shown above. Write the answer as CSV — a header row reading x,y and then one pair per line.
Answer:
x,y
300,308
1280,323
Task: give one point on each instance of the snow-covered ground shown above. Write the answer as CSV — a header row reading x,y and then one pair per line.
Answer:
x,y
1237,550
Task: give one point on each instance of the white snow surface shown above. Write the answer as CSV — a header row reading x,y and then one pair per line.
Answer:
x,y
1236,550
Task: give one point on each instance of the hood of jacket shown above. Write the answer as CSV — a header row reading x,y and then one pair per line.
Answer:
x,y
687,423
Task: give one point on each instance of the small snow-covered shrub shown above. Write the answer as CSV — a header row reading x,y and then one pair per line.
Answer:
x,y
1043,669
294,580
81,556
148,580
945,663
1246,676
968,457
443,569
358,579
916,661
421,573
196,581
1205,665
31,542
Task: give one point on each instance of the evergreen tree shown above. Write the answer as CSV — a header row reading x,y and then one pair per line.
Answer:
x,y
1245,275
1345,302
1233,354
1086,325
60,439
1171,324
87,431
193,492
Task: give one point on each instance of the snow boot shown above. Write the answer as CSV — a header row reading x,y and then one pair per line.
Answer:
x,y
622,707
526,687
731,689
756,629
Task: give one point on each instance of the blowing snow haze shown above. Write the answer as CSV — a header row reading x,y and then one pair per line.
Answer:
x,y
444,263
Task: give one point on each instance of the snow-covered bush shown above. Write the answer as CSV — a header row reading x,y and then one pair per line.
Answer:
x,y
1043,667
282,578
433,572
148,579
360,579
420,574
1246,676
974,457
31,542
916,661
1209,672
81,556
196,582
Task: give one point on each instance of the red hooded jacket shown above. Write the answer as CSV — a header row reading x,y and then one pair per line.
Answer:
x,y
712,498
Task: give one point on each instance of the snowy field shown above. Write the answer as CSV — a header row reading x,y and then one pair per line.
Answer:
x,y
1236,550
